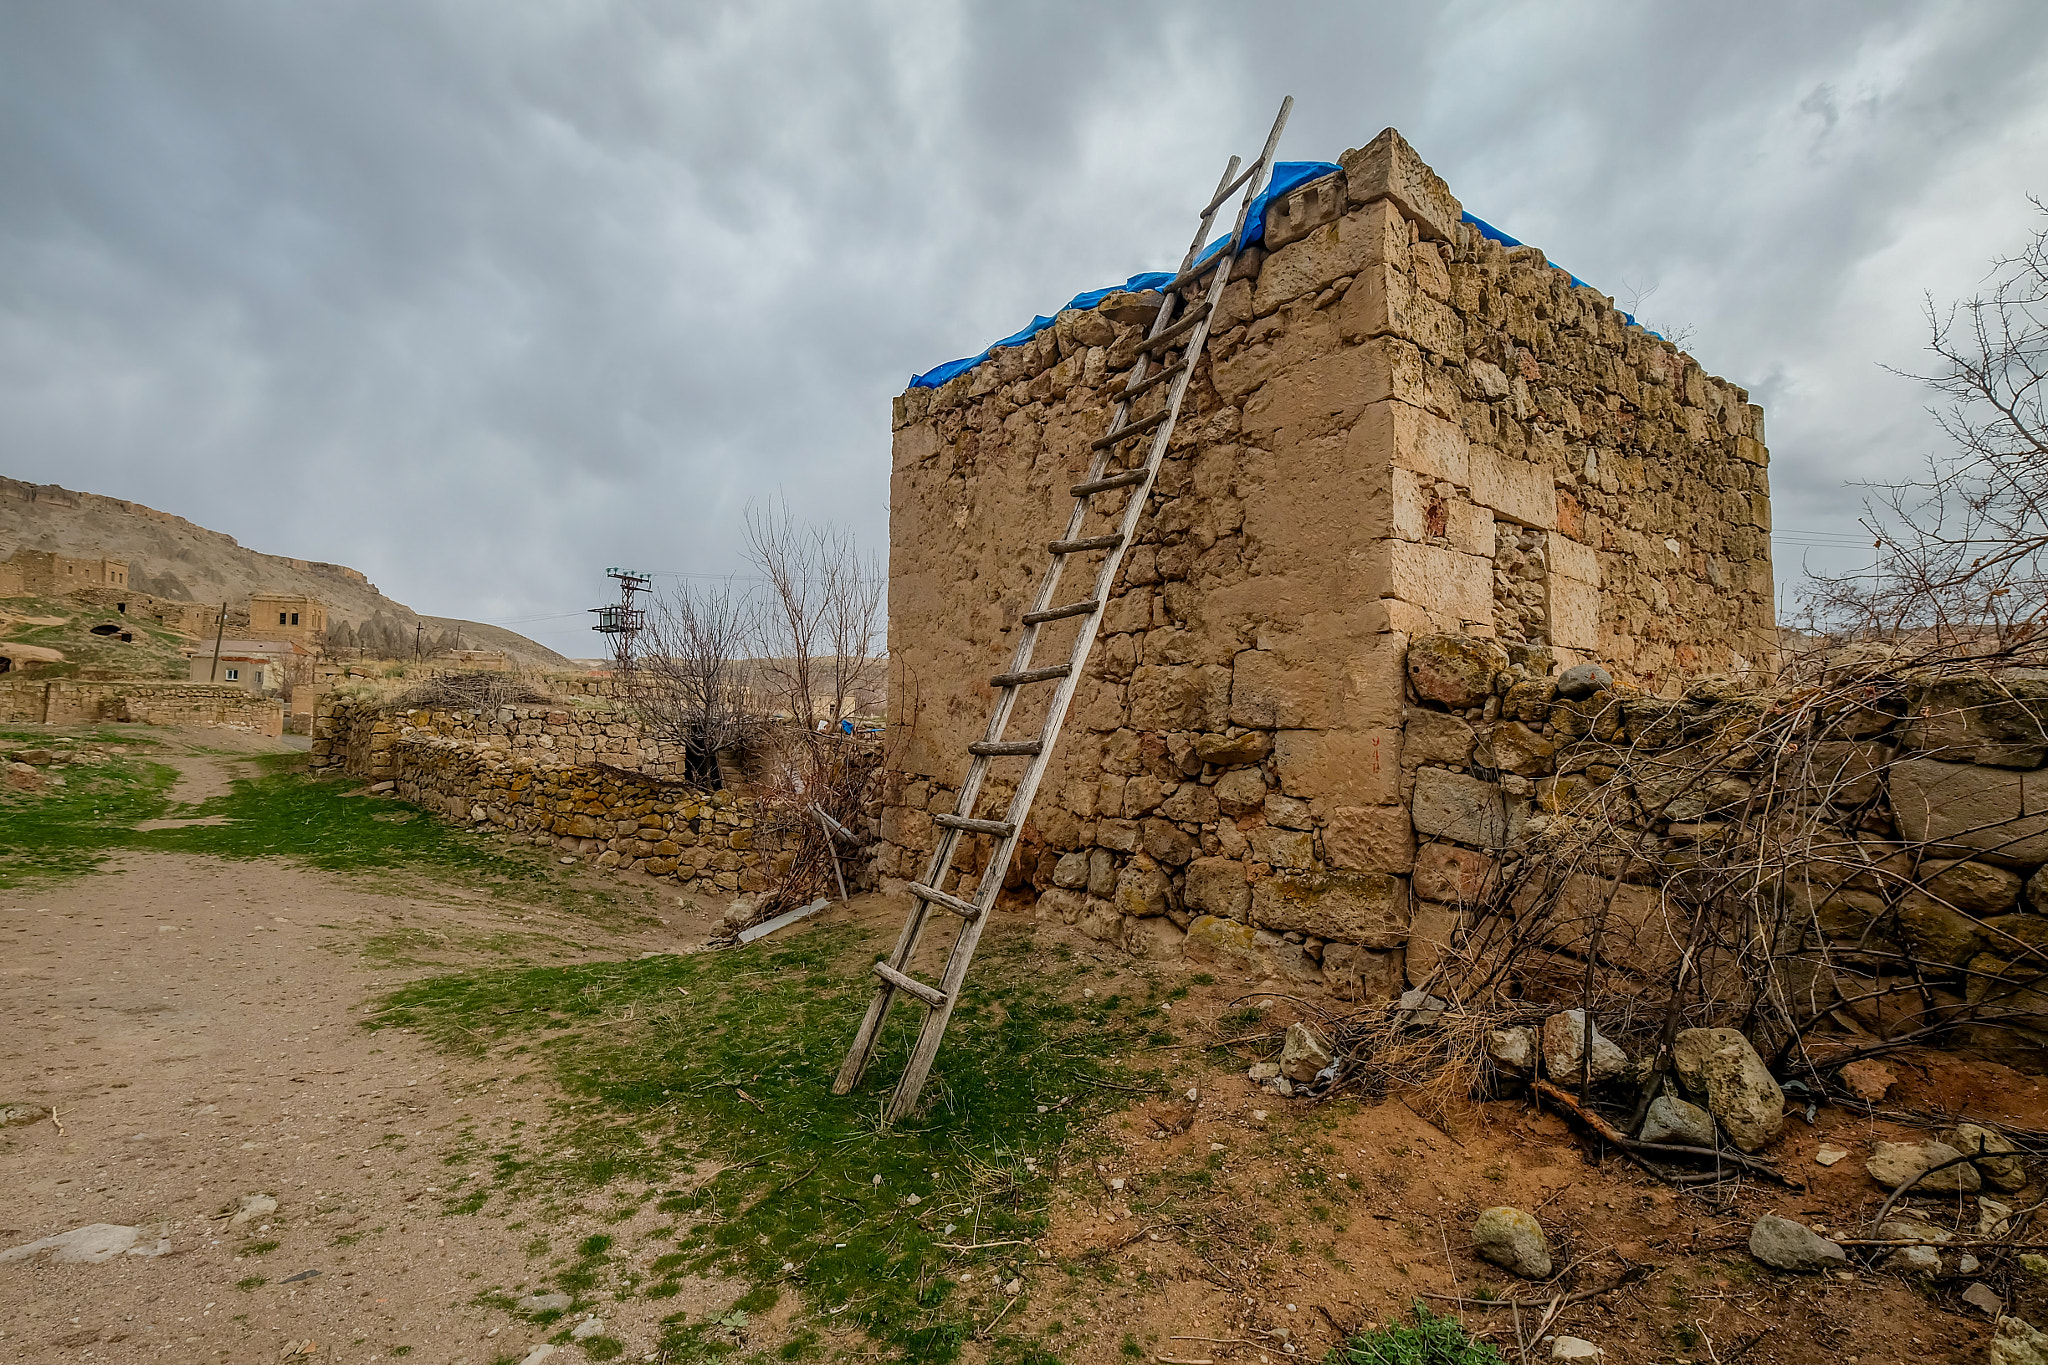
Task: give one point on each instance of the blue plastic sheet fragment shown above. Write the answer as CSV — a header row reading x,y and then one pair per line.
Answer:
x,y
1288,176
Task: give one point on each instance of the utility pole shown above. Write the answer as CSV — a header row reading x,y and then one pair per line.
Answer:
x,y
213,674
418,629
623,622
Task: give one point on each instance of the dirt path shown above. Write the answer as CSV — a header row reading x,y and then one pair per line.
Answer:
x,y
193,1022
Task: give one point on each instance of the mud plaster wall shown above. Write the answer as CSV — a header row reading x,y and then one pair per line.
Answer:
x,y
1399,428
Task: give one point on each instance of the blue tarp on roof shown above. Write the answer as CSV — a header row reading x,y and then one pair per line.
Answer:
x,y
1288,176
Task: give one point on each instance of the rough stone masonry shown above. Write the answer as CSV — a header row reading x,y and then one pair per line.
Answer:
x,y
1401,428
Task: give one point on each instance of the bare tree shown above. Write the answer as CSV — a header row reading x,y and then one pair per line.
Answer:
x,y
820,627
686,681
821,618
1962,552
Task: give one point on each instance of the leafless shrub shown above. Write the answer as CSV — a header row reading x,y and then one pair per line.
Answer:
x,y
807,776
1731,859
484,690
821,617
1961,553
686,679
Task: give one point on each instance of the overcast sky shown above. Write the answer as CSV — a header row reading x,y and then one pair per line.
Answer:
x,y
481,297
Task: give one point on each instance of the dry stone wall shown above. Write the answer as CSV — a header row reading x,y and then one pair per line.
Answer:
x,y
566,777
72,702
1401,428
1922,846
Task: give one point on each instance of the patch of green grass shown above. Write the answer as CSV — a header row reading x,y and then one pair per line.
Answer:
x,y
251,1282
154,651
279,810
258,1248
68,831
1430,1340
654,1055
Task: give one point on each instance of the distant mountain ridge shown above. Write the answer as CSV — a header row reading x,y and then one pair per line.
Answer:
x,y
171,557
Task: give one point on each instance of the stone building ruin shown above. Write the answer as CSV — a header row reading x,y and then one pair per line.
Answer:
x,y
1406,425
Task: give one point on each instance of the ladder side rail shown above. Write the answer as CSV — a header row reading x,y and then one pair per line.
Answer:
x,y
1049,581
870,1033
925,1052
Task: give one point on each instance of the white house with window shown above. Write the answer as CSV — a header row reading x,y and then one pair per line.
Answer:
x,y
260,666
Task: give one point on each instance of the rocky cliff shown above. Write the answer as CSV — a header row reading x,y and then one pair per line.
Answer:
x,y
171,557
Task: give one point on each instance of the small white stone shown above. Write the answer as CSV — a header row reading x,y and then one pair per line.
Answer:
x,y
1828,1156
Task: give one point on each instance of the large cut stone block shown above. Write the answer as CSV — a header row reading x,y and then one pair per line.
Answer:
x,y
2001,814
1520,491
1313,684
1451,805
1403,436
1387,168
1340,767
1300,211
1574,611
1382,301
1567,558
1217,886
1366,908
1445,582
1369,839
1323,255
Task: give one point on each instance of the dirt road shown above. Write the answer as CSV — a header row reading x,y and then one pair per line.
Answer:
x,y
191,1025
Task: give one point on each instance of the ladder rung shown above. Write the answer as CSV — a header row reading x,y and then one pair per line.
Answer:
x,y
1231,188
1159,376
1031,675
1001,828
1179,329
909,985
1005,748
1084,545
1194,272
1039,618
1103,485
1130,429
964,909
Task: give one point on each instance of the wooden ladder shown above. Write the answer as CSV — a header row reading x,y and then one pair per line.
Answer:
x,y
1187,335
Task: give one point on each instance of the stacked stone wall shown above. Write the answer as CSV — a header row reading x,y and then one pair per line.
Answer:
x,y
76,702
361,735
1400,428
583,781
1920,807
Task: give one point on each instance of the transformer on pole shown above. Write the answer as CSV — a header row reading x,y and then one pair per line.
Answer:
x,y
624,620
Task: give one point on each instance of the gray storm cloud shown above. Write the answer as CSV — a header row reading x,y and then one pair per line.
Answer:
x,y
481,298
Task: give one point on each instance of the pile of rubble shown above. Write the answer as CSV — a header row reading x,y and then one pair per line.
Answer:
x,y
1962,1202
32,769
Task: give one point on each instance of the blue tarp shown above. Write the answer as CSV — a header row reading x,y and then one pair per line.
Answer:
x,y
1288,176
